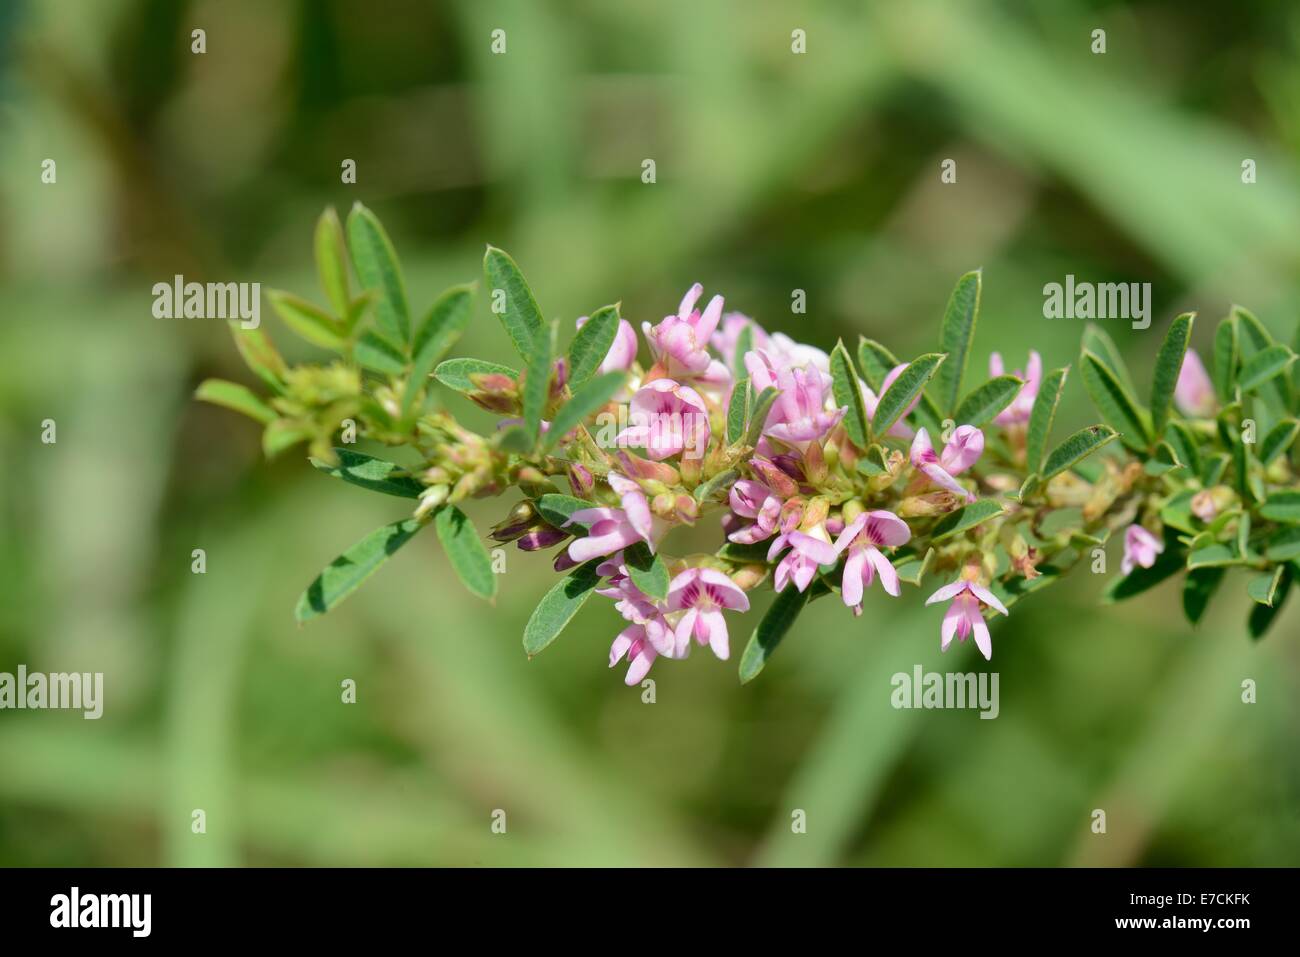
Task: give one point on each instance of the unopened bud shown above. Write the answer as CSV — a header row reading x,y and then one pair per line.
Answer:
x,y
430,499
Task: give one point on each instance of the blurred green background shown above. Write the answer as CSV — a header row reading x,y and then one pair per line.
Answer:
x,y
776,172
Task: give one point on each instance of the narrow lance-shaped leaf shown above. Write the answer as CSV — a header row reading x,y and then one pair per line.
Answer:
x,y
466,552
758,411
332,261
1263,588
537,381
1184,443
591,344
744,344
1224,367
588,400
345,574
232,395
376,353
1042,415
844,386
1263,616
1279,440
875,361
446,321
984,403
1198,588
903,390
368,472
763,642
512,300
1115,403
1077,447
1282,506
455,373
738,411
1254,338
310,322
647,571
1097,341
956,336
966,518
260,354
559,605
1169,362
1264,365
377,268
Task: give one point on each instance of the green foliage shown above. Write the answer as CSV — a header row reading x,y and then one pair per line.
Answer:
x,y
345,574
844,379
955,338
779,619
558,606
903,390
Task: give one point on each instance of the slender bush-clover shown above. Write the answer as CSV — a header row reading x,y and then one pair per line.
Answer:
x,y
826,474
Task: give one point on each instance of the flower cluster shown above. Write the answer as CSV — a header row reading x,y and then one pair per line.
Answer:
x,y
822,473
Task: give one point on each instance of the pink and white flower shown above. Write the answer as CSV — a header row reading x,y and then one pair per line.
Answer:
x,y
1017,413
1194,392
864,537
966,613
754,500
962,451
702,593
727,339
1140,548
611,530
803,411
680,343
808,551
634,644
666,418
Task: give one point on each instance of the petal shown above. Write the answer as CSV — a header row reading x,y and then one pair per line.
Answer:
x,y
982,640
689,300
948,591
986,596
719,641
803,572
851,532
640,665
953,619
888,577
886,528
683,633
723,590
851,583
678,587
822,552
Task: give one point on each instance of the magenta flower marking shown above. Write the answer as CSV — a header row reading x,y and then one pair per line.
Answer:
x,y
962,451
702,593
864,537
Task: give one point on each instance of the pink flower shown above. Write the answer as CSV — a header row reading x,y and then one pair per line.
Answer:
x,y
1018,411
864,537
702,593
965,614
667,418
789,354
681,342
808,551
1194,392
727,338
611,531
962,451
622,352
1140,548
633,643
871,400
635,505
754,500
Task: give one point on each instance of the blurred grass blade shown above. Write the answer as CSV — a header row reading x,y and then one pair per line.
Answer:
x,y
345,574
559,605
368,472
956,337
465,550
519,311
1042,415
984,403
377,268
763,642
1169,362
232,395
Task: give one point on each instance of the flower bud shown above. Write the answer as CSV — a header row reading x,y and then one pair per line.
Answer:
x,y
521,518
815,513
749,577
686,509
581,480
778,481
430,499
543,537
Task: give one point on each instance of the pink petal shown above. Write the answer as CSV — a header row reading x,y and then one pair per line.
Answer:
x,y
886,528
851,585
888,577
947,591
986,596
822,552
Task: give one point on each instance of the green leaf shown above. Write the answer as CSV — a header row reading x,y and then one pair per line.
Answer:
x,y
455,373
956,336
875,362
368,472
283,434
557,508
1215,555
1169,362
591,344
521,315
762,643
1282,507
1042,416
1262,616
1279,440
345,574
1226,355
1115,402
844,386
231,395
1284,546
1017,586
647,571
377,268
1263,588
758,412
744,344
903,390
738,410
1077,447
260,354
537,381
1182,440
1253,339
446,321
310,322
376,353
466,551
559,605
332,261
966,518
983,404
588,400
1101,345
720,482
912,569
1198,588
1264,365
